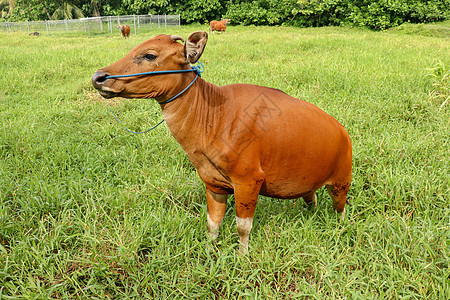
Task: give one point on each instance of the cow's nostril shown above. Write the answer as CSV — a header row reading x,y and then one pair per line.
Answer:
x,y
99,78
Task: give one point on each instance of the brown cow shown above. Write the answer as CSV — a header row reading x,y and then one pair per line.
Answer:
x,y
242,139
125,30
218,25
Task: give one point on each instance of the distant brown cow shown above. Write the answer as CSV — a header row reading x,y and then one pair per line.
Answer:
x,y
125,30
218,25
243,139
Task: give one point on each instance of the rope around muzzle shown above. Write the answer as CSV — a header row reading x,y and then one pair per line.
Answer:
x,y
198,69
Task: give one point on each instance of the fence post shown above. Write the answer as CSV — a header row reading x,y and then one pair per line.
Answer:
x,y
179,21
67,25
28,27
134,22
46,26
165,21
110,23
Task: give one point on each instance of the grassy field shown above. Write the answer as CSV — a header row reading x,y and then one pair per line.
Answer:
x,y
90,211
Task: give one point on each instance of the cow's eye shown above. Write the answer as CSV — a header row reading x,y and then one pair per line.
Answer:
x,y
150,57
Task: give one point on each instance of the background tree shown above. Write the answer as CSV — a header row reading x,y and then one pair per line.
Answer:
x,y
32,10
7,7
95,9
67,11
46,10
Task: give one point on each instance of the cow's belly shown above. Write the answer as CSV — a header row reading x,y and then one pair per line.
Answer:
x,y
297,179
289,188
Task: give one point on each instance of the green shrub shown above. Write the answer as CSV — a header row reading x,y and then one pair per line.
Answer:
x,y
378,14
382,14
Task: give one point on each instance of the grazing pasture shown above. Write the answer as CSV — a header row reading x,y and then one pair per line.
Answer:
x,y
89,210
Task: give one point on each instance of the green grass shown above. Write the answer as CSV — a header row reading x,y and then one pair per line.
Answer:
x,y
88,210
441,29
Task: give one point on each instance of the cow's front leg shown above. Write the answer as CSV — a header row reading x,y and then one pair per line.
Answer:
x,y
217,204
246,196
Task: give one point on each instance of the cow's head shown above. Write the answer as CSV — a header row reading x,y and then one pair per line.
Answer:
x,y
160,53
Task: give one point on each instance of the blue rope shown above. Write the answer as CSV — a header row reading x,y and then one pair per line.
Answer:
x,y
177,95
129,130
198,69
151,73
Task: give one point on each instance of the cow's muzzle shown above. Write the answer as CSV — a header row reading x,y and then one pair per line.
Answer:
x,y
99,80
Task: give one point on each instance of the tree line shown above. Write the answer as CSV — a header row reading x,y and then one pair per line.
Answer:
x,y
374,14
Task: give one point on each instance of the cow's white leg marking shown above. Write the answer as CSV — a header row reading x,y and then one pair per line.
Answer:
x,y
343,215
216,210
244,226
213,228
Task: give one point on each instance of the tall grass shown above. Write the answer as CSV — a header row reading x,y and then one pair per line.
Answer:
x,y
88,210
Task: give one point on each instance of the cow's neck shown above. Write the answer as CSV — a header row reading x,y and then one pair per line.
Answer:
x,y
196,113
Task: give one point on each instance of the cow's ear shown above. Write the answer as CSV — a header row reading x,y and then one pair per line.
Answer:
x,y
194,46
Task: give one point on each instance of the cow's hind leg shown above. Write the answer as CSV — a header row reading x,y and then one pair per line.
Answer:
x,y
311,199
338,193
217,204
